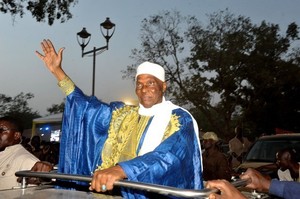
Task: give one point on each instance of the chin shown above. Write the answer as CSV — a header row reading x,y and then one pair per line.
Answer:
x,y
147,105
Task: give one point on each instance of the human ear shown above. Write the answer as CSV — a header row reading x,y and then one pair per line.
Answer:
x,y
17,135
288,157
164,87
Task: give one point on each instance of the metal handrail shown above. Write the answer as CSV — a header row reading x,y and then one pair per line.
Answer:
x,y
160,189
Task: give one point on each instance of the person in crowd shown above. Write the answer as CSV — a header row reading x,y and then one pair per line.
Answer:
x,y
238,147
215,163
36,146
51,152
13,156
289,167
156,142
26,143
282,189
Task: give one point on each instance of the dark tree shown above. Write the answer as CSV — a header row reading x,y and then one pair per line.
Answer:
x,y
227,72
41,10
17,107
56,108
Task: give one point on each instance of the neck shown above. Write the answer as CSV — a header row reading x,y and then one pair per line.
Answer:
x,y
294,170
211,149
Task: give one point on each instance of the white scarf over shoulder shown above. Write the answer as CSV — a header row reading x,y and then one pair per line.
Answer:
x,y
162,114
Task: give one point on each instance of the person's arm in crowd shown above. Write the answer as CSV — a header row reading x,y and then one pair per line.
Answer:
x,y
40,166
228,191
284,189
258,181
268,167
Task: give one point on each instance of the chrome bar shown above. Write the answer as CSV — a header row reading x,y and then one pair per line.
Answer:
x,y
160,189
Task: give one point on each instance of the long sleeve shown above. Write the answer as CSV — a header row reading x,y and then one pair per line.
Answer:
x,y
285,189
85,124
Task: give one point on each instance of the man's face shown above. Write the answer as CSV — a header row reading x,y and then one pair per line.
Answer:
x,y
282,161
8,135
208,143
149,90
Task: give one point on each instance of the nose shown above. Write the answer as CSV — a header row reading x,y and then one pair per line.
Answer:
x,y
144,88
278,162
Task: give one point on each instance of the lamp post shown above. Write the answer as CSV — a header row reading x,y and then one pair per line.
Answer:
x,y
85,39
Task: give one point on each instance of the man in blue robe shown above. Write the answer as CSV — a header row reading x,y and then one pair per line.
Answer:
x,y
156,142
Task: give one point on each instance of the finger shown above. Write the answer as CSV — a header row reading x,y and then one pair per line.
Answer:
x,y
35,181
19,179
103,184
39,55
103,188
214,196
244,176
44,46
110,183
49,43
60,52
96,182
213,184
50,46
92,184
34,168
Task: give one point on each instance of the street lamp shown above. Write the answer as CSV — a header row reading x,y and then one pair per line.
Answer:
x,y
86,37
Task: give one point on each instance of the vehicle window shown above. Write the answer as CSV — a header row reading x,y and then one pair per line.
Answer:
x,y
265,150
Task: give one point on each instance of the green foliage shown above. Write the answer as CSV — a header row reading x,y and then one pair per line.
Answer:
x,y
17,107
56,108
250,64
41,10
229,72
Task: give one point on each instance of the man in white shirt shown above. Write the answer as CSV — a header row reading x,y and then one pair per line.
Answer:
x,y
288,165
13,156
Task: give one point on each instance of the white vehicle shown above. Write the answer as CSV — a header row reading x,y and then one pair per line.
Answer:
x,y
262,154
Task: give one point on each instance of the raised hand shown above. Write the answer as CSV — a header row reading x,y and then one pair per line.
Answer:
x,y
52,59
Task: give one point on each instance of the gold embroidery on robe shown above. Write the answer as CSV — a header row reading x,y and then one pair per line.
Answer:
x,y
66,85
124,134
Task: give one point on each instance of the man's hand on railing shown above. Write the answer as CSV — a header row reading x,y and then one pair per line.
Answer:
x,y
40,166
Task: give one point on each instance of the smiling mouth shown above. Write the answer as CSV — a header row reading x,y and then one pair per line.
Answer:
x,y
145,98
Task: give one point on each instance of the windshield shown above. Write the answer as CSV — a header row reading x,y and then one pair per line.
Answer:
x,y
265,150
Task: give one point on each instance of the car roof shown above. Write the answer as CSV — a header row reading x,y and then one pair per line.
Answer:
x,y
281,137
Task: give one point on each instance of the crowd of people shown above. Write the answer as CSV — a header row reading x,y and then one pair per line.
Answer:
x,y
220,164
44,150
216,166
155,142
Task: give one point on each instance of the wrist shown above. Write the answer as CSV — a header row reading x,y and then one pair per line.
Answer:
x,y
266,185
59,74
120,169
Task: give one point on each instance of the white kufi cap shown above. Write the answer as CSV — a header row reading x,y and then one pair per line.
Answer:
x,y
151,69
